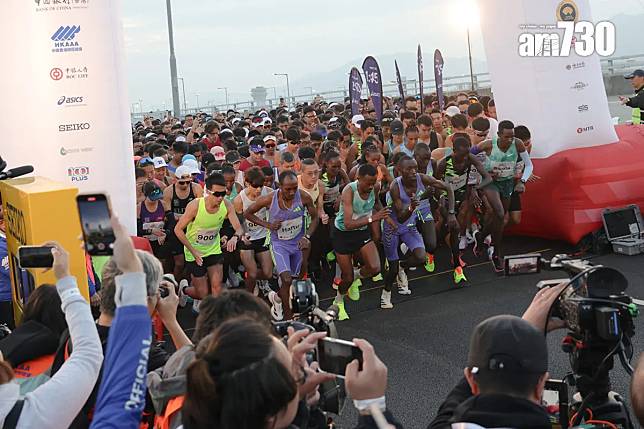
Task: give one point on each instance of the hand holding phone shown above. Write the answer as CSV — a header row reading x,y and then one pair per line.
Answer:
x,y
95,221
35,257
334,355
367,378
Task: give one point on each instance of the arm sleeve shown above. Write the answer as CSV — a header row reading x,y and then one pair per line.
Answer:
x,y
121,396
60,399
456,397
527,172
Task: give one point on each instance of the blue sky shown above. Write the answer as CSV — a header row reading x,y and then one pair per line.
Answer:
x,y
239,44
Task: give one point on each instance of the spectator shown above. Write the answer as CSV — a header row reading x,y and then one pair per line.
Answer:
x,y
56,402
6,303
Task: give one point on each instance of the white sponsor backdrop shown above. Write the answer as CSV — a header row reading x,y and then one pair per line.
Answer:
x,y
67,112
561,99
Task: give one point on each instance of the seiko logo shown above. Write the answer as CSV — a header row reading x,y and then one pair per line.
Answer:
x,y
69,100
583,108
73,127
582,130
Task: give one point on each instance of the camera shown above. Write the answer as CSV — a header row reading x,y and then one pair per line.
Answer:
x,y
304,303
598,315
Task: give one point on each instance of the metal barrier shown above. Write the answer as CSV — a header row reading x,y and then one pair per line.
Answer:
x,y
451,84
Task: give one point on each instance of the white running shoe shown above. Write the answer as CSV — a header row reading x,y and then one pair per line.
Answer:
x,y
183,298
195,305
463,242
385,300
490,252
488,240
404,248
276,306
403,283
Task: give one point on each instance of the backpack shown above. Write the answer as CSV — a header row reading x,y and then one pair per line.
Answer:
x,y
170,414
11,420
34,373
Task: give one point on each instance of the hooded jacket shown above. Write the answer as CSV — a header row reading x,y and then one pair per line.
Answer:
x,y
500,411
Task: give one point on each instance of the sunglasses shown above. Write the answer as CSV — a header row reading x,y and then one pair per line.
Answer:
x,y
269,146
256,186
184,182
295,142
219,194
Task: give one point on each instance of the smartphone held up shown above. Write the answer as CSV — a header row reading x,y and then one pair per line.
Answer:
x,y
35,257
95,217
334,355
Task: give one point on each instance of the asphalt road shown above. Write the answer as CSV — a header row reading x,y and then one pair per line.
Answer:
x,y
424,338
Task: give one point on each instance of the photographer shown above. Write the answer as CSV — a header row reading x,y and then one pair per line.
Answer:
x,y
506,373
55,403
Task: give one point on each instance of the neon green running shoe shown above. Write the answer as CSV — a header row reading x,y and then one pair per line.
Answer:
x,y
377,277
330,257
342,312
459,276
429,263
354,290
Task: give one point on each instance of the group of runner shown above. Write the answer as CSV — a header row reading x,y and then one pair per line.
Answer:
x,y
274,196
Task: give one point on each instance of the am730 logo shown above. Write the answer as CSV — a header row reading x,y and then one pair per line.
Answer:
x,y
585,38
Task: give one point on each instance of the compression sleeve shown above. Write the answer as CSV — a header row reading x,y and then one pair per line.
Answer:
x,y
527,171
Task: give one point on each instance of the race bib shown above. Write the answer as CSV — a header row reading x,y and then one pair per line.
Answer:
x,y
289,229
207,237
457,182
355,216
147,226
504,170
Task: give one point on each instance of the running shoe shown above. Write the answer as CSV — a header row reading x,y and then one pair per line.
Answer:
x,y
488,240
469,237
490,252
478,243
377,277
183,298
330,257
342,312
354,290
336,283
497,264
195,305
429,263
276,306
459,276
385,300
403,283
463,242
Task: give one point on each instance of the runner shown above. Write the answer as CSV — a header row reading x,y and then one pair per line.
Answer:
x,y
503,152
257,250
202,220
425,133
309,182
456,170
351,234
151,216
334,179
177,197
397,139
514,210
411,137
286,207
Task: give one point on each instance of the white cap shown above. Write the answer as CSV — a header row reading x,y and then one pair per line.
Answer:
x,y
149,135
180,138
452,110
193,165
235,121
356,119
183,171
159,162
267,121
270,137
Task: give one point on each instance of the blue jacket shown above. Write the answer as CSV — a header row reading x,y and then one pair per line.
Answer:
x,y
5,283
121,395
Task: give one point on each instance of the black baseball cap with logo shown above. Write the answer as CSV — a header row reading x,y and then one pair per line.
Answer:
x,y
638,72
507,345
396,127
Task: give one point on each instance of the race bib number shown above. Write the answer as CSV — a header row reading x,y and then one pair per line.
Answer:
x,y
457,182
504,170
289,229
207,237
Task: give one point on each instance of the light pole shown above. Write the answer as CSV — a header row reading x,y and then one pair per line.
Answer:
x,y
288,86
183,89
197,101
225,88
141,105
173,65
469,49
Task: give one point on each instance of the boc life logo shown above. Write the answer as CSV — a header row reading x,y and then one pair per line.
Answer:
x,y
78,174
65,39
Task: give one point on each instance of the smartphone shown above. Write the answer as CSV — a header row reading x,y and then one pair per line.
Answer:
x,y
522,264
555,402
95,217
334,355
35,257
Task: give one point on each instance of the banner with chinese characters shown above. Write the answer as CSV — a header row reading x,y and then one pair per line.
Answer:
x,y
374,83
558,94
355,91
67,110
438,78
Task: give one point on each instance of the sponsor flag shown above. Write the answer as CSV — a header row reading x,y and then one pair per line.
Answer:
x,y
438,78
420,76
374,83
400,85
355,90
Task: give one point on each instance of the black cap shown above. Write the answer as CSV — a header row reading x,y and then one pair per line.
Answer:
x,y
396,127
507,344
638,72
